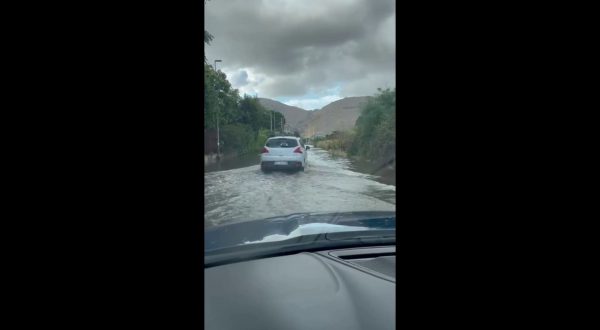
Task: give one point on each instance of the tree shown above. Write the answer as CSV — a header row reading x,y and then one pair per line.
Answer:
x,y
207,38
376,128
244,123
219,97
251,112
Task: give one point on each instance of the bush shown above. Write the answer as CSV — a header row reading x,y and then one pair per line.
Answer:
x,y
341,141
376,128
261,138
237,138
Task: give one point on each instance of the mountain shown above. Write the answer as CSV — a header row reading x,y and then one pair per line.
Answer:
x,y
295,117
339,115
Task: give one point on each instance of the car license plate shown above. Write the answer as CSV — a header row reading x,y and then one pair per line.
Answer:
x,y
280,163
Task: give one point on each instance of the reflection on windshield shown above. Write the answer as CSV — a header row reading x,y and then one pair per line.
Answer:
x,y
310,229
287,228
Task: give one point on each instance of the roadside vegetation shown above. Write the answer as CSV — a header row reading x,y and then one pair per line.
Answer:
x,y
373,139
244,124
338,143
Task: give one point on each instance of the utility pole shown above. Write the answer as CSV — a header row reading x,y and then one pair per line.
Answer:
x,y
271,121
218,112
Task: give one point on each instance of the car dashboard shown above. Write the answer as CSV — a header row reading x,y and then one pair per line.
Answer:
x,y
350,288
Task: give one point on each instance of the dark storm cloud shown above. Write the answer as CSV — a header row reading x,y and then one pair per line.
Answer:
x,y
299,46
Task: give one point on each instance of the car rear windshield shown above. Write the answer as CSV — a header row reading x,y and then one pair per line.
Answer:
x,y
282,143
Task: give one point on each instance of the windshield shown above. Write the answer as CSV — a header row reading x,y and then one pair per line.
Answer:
x,y
299,121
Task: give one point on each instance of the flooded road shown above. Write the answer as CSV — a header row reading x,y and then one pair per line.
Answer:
x,y
327,185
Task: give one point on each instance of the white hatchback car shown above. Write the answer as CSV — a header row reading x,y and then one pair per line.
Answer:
x,y
283,152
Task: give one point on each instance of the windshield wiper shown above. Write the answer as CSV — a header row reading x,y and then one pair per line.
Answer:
x,y
363,235
306,243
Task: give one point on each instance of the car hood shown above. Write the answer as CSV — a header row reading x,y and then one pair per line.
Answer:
x,y
294,225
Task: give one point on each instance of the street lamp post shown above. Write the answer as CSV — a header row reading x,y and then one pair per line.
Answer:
x,y
218,140
218,133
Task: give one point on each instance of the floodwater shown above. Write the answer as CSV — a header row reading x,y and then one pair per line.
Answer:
x,y
237,190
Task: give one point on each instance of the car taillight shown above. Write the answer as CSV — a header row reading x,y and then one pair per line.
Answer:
x,y
298,150
264,150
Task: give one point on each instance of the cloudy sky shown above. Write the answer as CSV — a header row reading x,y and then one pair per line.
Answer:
x,y
305,53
